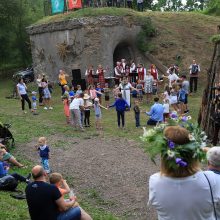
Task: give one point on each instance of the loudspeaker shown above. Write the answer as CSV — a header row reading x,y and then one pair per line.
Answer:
x,y
76,73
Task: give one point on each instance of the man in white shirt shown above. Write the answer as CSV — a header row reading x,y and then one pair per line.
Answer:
x,y
75,109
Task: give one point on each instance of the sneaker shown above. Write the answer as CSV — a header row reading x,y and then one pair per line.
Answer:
x,y
50,108
45,108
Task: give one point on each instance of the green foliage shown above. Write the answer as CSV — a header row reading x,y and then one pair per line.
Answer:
x,y
14,17
213,7
215,38
144,37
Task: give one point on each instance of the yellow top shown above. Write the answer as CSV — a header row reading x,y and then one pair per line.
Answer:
x,y
62,79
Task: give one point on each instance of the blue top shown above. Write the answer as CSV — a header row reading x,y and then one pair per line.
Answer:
x,y
3,171
44,151
34,98
99,90
156,112
120,104
97,109
71,93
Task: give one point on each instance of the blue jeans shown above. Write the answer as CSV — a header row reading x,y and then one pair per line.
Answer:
x,y
45,164
70,214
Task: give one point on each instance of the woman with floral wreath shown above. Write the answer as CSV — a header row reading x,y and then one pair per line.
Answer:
x,y
181,190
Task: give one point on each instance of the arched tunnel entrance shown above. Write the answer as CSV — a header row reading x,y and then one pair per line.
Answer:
x,y
123,51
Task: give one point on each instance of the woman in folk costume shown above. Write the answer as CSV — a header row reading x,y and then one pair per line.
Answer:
x,y
118,72
153,71
89,75
126,88
100,72
133,73
141,71
123,64
127,72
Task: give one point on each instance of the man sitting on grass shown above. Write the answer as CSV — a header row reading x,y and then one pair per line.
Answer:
x,y
155,113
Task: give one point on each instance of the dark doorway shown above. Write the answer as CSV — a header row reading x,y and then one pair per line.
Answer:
x,y
122,51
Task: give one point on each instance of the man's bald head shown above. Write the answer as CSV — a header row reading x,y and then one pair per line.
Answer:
x,y
37,172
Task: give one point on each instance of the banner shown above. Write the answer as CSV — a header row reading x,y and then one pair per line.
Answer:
x,y
57,6
74,4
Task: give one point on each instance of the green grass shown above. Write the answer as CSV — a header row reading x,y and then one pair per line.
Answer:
x,y
26,128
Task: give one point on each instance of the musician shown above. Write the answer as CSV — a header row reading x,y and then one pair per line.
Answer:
x,y
123,64
90,75
118,72
101,75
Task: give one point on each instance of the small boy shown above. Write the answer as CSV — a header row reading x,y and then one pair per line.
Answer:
x,y
44,151
34,103
137,113
71,92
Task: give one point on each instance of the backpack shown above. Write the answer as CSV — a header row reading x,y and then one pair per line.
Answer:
x,y
8,182
195,69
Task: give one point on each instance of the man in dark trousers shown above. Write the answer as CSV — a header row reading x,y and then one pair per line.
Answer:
x,y
194,70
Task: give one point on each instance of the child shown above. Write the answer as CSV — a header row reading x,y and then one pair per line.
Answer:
x,y
107,94
61,184
34,102
166,111
173,97
154,87
137,113
98,113
116,91
92,93
66,102
87,106
79,90
120,105
181,99
44,153
99,93
139,87
47,94
71,92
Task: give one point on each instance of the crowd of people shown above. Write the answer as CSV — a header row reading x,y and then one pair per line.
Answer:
x,y
46,199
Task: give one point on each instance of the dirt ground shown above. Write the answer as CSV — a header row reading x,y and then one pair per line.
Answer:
x,y
114,171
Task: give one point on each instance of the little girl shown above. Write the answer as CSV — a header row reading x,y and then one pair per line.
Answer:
x,y
66,102
92,93
107,94
44,151
87,106
98,113
173,97
46,93
140,87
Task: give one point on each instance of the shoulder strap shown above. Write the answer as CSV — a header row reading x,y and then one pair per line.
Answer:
x,y
213,204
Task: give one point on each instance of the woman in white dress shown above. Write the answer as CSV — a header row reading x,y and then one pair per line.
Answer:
x,y
126,88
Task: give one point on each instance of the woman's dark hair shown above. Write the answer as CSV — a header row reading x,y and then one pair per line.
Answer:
x,y
19,79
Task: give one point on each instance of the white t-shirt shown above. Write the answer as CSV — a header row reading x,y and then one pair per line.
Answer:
x,y
166,108
187,198
76,103
21,88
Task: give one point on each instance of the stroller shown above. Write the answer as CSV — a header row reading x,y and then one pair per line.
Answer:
x,y
6,136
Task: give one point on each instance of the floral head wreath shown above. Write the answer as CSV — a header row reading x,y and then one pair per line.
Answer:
x,y
176,155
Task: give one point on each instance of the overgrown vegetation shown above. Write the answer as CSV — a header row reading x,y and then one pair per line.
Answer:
x,y
215,38
144,37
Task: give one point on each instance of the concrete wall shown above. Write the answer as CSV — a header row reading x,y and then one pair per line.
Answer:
x,y
88,40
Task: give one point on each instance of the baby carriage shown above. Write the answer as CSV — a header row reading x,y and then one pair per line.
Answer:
x,y
6,136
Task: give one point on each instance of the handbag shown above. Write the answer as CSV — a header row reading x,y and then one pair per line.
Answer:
x,y
213,204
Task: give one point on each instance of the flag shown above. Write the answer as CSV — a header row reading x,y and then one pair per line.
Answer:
x,y
74,4
57,6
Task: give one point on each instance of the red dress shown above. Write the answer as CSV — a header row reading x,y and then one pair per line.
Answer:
x,y
141,73
66,108
101,78
90,80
